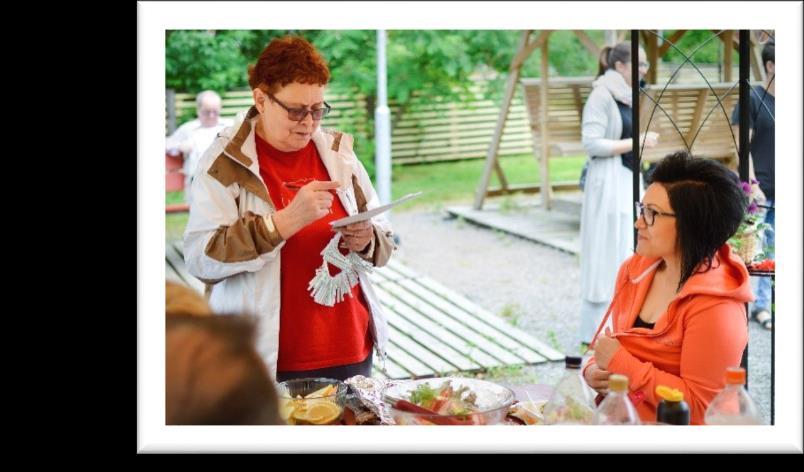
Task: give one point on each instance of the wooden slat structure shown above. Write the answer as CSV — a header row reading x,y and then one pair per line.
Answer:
x,y
565,100
433,331
423,132
710,141
703,125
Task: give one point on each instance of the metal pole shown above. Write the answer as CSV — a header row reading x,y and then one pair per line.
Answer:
x,y
635,121
745,69
171,110
382,125
773,348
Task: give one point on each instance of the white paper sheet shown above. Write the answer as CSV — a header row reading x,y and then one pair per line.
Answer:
x,y
373,212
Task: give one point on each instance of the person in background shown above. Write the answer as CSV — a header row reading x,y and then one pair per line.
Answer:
x,y
762,167
194,137
607,208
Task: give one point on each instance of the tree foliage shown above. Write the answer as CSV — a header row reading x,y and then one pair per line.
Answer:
x,y
423,65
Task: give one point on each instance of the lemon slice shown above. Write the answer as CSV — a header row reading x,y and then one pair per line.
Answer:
x,y
323,412
323,392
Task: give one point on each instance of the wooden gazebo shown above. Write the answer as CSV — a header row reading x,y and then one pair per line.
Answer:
x,y
540,122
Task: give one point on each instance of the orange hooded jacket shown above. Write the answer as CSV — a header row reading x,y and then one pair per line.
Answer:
x,y
703,331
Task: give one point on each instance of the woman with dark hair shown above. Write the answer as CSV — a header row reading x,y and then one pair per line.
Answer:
x,y
606,214
264,195
678,317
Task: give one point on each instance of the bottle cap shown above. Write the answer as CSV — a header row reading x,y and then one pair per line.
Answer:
x,y
618,383
572,362
669,394
735,375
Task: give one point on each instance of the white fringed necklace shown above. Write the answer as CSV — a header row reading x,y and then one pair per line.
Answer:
x,y
328,290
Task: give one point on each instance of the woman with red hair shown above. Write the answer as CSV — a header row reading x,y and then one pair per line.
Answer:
x,y
263,198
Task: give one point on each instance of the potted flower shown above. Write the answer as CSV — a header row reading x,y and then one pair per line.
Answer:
x,y
747,240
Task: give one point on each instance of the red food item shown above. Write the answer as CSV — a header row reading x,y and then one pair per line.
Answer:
x,y
767,265
405,405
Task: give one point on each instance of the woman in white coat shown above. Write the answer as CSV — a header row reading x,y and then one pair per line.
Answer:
x,y
607,213
264,196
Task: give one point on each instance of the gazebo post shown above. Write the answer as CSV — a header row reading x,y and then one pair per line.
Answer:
x,y
545,189
727,54
523,52
505,106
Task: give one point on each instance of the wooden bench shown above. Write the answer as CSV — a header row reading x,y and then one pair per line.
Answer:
x,y
433,331
703,128
565,100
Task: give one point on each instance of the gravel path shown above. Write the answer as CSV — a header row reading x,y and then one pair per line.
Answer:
x,y
532,286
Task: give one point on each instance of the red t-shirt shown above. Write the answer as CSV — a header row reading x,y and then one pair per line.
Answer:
x,y
311,336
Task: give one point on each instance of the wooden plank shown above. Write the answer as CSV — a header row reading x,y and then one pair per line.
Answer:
x,y
695,123
466,347
671,40
590,45
409,363
391,369
382,274
377,373
171,275
544,159
496,333
478,312
459,329
435,365
728,50
494,146
532,188
435,345
177,261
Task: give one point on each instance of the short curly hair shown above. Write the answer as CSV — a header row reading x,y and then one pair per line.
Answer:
x,y
286,60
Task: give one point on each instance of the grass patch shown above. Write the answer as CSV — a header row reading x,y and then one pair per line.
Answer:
x,y
511,374
511,312
456,181
553,340
442,183
175,222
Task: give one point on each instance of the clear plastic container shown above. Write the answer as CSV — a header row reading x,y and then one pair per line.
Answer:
x,y
572,401
733,405
492,402
616,408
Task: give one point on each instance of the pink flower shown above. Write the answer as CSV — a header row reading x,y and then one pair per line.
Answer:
x,y
753,208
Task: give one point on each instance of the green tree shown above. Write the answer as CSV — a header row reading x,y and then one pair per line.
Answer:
x,y
709,53
423,65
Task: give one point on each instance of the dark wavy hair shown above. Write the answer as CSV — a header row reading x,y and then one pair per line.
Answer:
x,y
709,204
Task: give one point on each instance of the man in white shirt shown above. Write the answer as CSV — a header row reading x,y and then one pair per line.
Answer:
x,y
194,137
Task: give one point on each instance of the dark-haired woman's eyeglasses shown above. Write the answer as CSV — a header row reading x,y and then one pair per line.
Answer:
x,y
299,114
649,214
